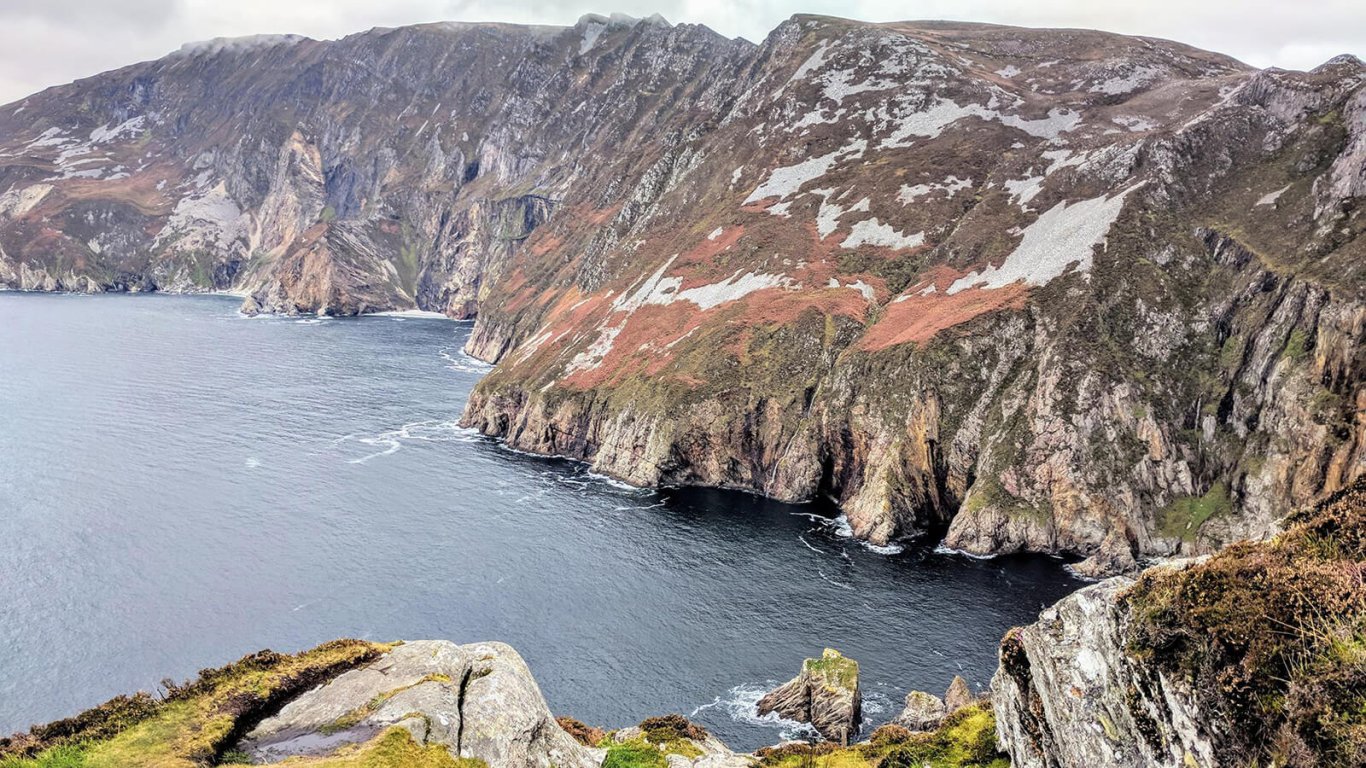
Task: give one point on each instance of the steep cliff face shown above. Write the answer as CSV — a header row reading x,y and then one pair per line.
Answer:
x,y
1047,290
1057,291
1254,656
396,168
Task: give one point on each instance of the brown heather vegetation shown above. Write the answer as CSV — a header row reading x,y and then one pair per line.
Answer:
x,y
1272,637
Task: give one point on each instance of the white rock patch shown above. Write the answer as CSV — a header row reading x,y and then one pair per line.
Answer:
x,y
732,289
1023,190
1270,198
661,290
1063,236
930,122
867,290
952,185
18,202
210,218
1130,81
105,134
783,182
873,232
828,217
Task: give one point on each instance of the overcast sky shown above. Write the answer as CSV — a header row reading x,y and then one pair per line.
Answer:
x,y
49,42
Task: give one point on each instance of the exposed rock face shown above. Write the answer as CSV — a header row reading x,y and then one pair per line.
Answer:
x,y
1250,656
478,700
946,278
923,712
825,694
959,695
1067,695
1056,290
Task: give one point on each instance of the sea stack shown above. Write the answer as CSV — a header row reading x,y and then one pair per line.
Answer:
x,y
825,694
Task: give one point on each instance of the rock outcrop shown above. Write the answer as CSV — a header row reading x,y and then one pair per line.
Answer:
x,y
923,712
1068,695
1253,656
958,695
1050,290
478,701
825,694
350,703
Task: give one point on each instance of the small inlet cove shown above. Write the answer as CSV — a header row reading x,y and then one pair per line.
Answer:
x,y
181,485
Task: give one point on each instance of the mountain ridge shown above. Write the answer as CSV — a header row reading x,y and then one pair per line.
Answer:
x,y
1052,290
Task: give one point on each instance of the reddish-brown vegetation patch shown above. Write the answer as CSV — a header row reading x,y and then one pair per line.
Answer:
x,y
642,346
917,318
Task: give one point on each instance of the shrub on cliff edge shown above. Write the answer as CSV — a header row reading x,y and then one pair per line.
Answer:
x,y
1272,637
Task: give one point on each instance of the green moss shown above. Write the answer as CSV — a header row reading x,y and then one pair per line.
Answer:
x,y
988,492
328,214
834,668
967,739
57,757
1296,347
394,748
634,754
194,724
674,735
1182,518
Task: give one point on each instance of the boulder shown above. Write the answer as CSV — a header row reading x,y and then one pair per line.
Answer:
x,y
478,700
959,694
923,712
825,694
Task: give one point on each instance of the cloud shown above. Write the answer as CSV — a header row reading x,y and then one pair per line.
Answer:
x,y
48,42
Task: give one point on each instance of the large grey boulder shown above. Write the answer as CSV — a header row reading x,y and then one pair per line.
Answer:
x,y
826,694
478,700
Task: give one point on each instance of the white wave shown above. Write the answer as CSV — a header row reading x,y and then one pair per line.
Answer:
x,y
431,431
411,313
944,549
875,703
620,485
840,527
459,361
311,320
833,582
742,704
252,462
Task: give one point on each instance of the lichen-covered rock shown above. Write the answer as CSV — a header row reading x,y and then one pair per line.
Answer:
x,y
477,700
825,694
1251,656
923,712
1068,695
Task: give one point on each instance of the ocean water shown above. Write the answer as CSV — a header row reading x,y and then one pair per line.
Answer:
x,y
181,485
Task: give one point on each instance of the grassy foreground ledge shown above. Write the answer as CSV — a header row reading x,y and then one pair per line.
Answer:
x,y
196,723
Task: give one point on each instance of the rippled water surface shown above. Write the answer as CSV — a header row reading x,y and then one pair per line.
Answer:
x,y
180,485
